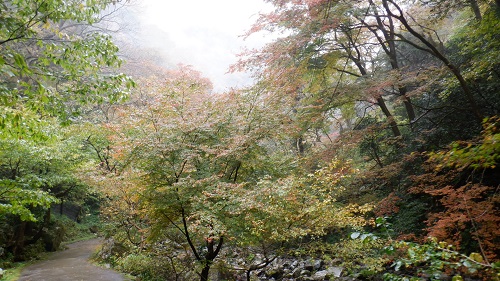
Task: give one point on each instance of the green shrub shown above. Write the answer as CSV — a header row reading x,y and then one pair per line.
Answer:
x,y
144,266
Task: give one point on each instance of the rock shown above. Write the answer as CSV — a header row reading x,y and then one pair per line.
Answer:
x,y
52,239
335,271
336,261
346,279
274,273
111,248
305,272
444,276
321,275
287,275
296,272
328,273
317,264
308,266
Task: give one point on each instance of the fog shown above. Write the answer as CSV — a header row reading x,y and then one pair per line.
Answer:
x,y
201,33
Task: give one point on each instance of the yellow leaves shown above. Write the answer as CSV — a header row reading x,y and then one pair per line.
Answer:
x,y
353,215
46,25
294,209
329,179
443,244
476,257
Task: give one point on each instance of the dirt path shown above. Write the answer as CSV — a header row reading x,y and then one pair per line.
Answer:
x,y
71,265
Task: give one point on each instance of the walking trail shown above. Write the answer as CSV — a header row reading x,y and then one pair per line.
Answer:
x,y
71,264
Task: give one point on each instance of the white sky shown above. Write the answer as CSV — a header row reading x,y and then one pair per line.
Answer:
x,y
203,33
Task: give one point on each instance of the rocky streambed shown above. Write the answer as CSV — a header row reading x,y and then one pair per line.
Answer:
x,y
283,269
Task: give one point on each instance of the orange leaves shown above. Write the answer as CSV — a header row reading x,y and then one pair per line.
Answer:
x,y
388,206
469,208
465,186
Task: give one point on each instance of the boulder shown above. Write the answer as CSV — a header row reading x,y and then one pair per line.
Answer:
x,y
308,265
305,272
274,273
328,273
317,264
335,271
321,275
296,272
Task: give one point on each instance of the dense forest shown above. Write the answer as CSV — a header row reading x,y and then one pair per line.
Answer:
x,y
367,148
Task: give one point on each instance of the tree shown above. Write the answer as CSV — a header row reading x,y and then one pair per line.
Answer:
x,y
53,59
384,32
189,158
428,46
328,43
34,176
207,172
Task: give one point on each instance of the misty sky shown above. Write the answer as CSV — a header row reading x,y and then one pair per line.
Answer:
x,y
202,33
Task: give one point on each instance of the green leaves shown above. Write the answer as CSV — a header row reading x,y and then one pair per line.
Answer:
x,y
19,199
484,154
364,237
50,67
21,64
434,258
35,174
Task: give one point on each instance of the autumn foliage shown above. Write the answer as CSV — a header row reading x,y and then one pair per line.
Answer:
x,y
369,123
462,181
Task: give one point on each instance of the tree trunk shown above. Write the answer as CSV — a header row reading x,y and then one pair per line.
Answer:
x,y
300,146
475,8
388,44
410,110
390,118
384,108
431,49
40,231
19,241
210,256
380,100
204,272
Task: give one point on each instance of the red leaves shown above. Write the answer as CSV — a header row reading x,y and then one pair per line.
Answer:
x,y
466,193
469,208
467,211
388,205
